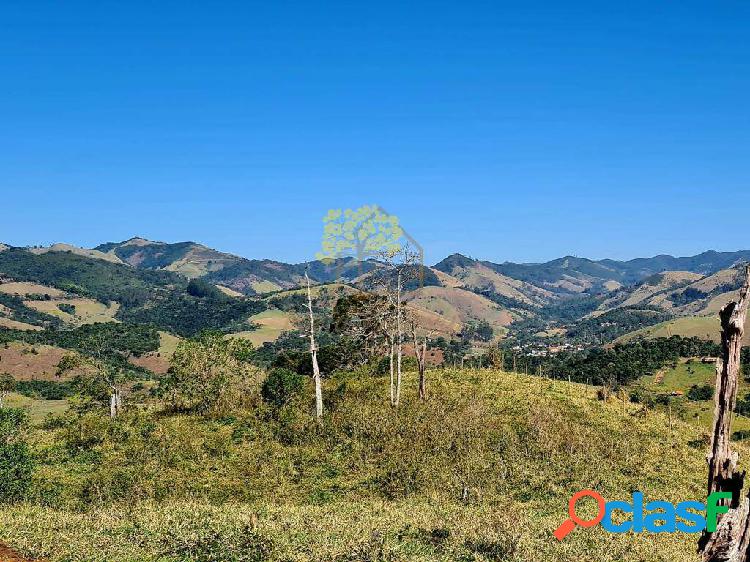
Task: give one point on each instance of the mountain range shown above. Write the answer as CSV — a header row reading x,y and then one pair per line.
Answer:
x,y
540,300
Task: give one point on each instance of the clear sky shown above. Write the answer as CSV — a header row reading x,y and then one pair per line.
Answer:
x,y
508,131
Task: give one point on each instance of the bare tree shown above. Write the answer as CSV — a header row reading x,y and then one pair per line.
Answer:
x,y
420,350
314,356
731,540
110,375
400,266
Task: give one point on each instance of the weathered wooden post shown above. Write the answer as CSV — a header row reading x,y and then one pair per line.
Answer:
x,y
731,540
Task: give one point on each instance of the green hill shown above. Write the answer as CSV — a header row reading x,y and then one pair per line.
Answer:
x,y
159,298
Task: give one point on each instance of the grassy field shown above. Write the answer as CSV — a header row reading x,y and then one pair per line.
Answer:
x,y
28,362
37,409
158,361
704,327
679,380
15,325
87,311
455,307
271,324
23,289
482,472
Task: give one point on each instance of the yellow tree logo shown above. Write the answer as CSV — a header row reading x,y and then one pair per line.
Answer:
x,y
361,233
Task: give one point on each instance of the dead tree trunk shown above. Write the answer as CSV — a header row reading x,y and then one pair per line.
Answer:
x,y
314,356
731,540
420,350
115,402
390,364
400,340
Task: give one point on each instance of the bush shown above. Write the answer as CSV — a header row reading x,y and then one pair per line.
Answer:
x,y
48,390
67,308
210,375
281,386
702,392
15,459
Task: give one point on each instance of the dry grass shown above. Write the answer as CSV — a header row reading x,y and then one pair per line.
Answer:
x,y
272,324
34,362
23,289
87,311
158,362
703,327
16,325
458,306
482,472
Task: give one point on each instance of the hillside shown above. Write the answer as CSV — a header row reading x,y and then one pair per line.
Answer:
x,y
142,281
590,275
459,307
90,290
483,471
651,291
704,327
187,258
246,276
477,275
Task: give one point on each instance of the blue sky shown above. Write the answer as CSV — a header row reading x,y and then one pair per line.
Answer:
x,y
508,131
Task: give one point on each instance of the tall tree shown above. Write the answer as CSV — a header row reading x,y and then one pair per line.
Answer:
x,y
401,264
108,374
211,375
314,355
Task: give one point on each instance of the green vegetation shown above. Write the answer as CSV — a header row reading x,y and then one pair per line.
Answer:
x,y
23,313
98,279
614,323
479,472
622,363
45,390
15,459
67,308
103,339
479,331
209,375
698,393
187,315
281,386
163,299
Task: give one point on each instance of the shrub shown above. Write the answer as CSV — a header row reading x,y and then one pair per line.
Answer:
x,y
209,375
15,459
281,386
67,308
702,392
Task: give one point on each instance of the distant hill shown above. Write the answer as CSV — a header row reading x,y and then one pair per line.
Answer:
x,y
187,258
572,275
247,276
147,281
680,292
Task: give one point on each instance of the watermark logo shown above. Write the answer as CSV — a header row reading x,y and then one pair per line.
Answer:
x,y
364,233
654,517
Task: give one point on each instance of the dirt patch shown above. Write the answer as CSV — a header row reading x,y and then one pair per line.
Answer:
x,y
154,362
34,362
9,555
